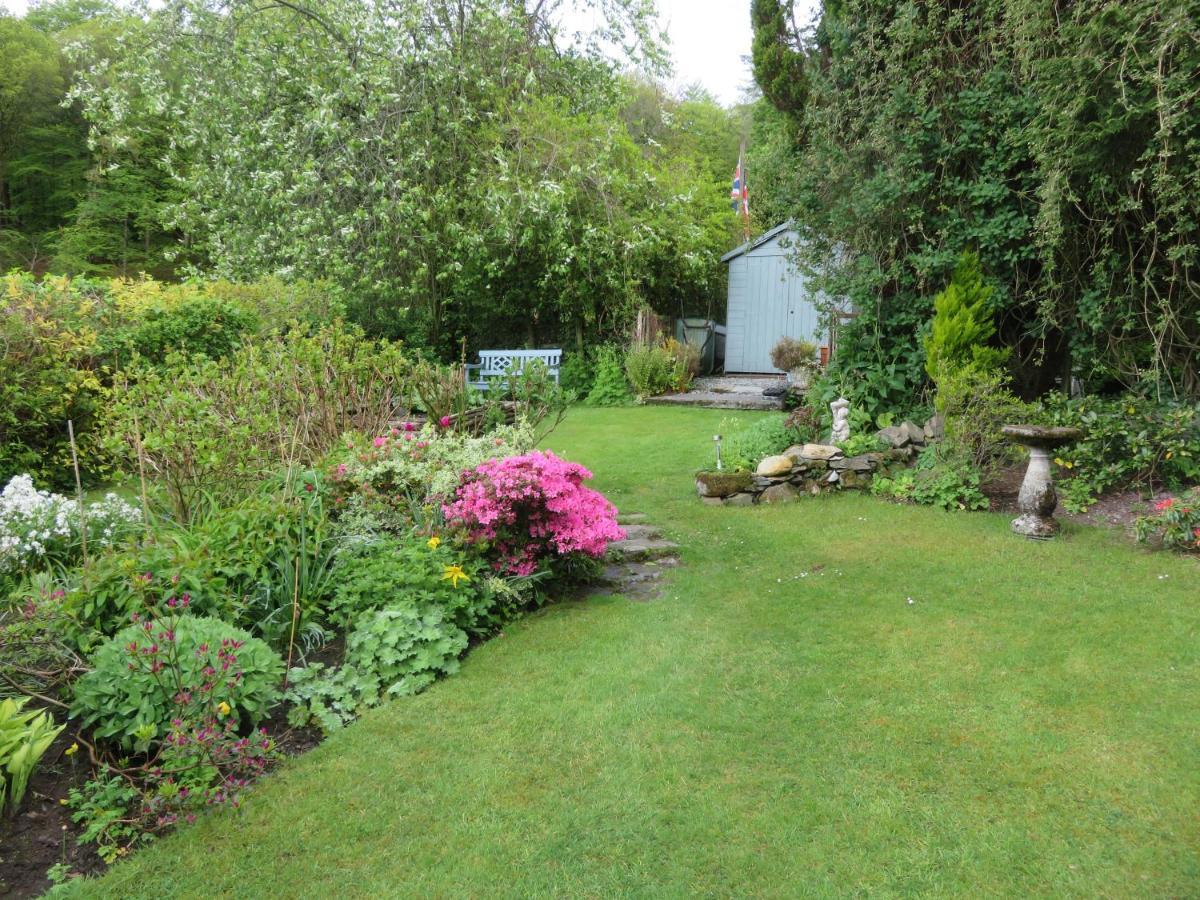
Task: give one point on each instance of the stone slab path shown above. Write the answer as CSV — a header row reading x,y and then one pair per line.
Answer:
x,y
634,567
727,392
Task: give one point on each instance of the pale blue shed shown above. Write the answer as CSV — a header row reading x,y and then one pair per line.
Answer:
x,y
768,298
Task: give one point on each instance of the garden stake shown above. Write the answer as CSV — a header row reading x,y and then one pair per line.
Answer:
x,y
295,604
137,436
78,491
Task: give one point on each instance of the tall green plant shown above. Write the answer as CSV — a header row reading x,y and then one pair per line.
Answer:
x,y
24,737
962,323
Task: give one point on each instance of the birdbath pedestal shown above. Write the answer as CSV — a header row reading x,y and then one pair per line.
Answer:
x,y
1037,498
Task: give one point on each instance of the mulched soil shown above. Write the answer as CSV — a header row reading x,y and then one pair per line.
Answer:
x,y
1119,509
42,834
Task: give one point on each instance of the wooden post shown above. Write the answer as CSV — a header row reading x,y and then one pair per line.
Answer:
x,y
78,490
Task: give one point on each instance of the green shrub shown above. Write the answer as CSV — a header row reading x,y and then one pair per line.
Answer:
x,y
962,323
1174,523
859,443
650,370
392,481
745,446
577,373
976,402
134,705
24,737
48,346
413,571
610,387
389,652
244,564
933,483
685,363
214,430
1127,441
197,325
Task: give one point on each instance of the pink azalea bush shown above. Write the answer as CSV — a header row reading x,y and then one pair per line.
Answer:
x,y
532,508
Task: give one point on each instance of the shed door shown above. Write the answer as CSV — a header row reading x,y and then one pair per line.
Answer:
x,y
776,305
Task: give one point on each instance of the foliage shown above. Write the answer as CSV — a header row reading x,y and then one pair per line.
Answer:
x,y
255,564
107,808
175,667
859,443
744,446
805,423
962,324
524,208
200,324
789,354
1049,139
388,571
213,429
48,338
609,387
24,737
650,369
1175,523
390,652
577,373
391,479
685,363
39,529
933,483
528,510
976,403
1127,441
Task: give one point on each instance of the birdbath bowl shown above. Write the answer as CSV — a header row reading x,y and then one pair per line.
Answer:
x,y
1037,498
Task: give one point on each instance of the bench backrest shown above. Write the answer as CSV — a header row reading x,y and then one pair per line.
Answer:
x,y
501,362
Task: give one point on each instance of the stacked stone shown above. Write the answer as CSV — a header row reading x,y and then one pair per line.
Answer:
x,y
913,437
799,470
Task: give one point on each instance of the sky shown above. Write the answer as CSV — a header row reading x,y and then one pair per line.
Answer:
x,y
710,41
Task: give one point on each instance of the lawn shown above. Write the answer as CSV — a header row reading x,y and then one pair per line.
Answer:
x,y
783,722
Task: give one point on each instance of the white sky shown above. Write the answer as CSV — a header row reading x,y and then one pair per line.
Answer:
x,y
709,40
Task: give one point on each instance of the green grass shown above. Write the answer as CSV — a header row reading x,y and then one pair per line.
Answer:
x,y
1029,725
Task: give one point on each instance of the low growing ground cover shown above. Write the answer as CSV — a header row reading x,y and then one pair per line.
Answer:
x,y
833,697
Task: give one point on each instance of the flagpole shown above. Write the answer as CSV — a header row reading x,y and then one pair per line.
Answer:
x,y
745,200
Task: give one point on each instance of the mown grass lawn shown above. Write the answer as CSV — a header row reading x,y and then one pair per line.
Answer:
x,y
1029,725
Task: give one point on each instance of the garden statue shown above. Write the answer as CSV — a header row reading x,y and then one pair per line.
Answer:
x,y
841,419
1037,498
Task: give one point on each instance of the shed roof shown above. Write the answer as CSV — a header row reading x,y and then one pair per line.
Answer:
x,y
757,242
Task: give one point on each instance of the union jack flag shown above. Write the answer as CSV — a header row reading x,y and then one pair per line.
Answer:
x,y
739,194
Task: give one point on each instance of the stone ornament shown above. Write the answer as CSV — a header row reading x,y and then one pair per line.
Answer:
x,y
841,419
1037,498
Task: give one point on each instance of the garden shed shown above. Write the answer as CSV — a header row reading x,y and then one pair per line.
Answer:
x,y
768,299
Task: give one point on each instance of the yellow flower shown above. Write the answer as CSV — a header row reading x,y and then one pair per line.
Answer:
x,y
434,542
223,708
72,750
454,574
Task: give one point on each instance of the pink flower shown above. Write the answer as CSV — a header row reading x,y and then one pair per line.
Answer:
x,y
380,441
444,421
409,426
532,507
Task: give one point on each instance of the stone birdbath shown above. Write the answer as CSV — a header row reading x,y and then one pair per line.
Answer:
x,y
1037,498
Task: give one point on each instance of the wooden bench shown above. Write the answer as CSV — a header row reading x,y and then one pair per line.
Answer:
x,y
499,364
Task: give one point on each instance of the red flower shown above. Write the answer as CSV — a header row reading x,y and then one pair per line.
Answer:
x,y
1163,505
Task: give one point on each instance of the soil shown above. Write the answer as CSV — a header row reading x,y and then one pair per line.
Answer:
x,y
41,834
1119,509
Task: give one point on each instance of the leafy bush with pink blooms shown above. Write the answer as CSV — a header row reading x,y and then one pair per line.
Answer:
x,y
1175,523
532,509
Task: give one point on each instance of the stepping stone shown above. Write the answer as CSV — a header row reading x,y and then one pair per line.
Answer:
x,y
633,518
